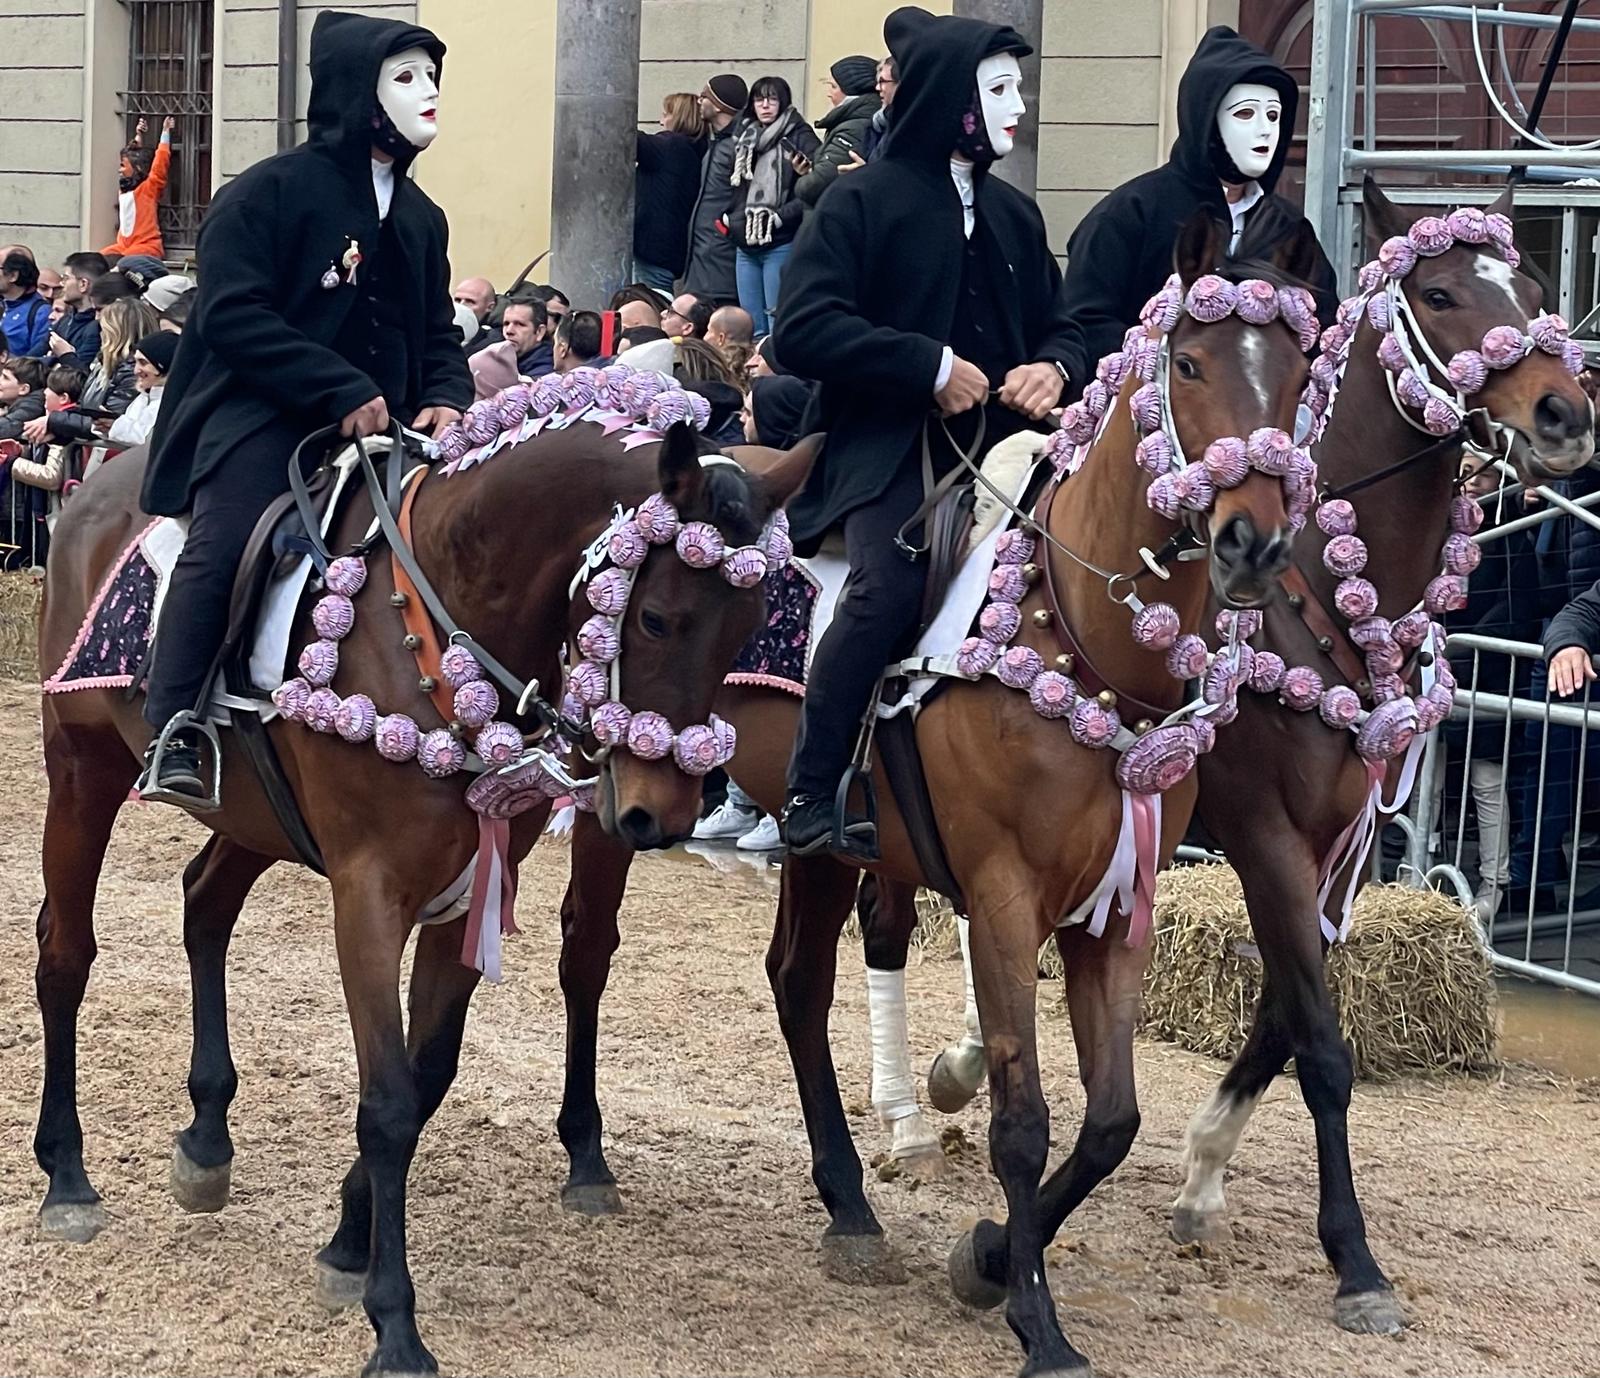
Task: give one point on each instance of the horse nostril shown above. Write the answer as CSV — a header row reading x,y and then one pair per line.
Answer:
x,y
1557,418
637,827
1276,554
1232,544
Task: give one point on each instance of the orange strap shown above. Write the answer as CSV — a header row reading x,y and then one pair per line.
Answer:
x,y
414,614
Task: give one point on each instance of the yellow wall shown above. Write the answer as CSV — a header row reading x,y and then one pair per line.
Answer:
x,y
842,27
490,166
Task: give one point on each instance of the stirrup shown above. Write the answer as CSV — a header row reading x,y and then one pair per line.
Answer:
x,y
861,848
147,787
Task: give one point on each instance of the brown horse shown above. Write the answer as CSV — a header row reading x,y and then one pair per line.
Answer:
x,y
500,543
1257,796
1029,820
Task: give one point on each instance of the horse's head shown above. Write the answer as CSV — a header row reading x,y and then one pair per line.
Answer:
x,y
1231,378
1465,304
696,599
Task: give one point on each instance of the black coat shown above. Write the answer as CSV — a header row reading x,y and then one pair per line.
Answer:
x,y
710,275
28,407
1121,254
664,191
870,297
845,130
259,347
800,138
114,394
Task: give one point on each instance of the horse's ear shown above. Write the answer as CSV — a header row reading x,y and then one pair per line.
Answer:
x,y
679,466
1199,247
1384,220
1299,254
1503,202
784,478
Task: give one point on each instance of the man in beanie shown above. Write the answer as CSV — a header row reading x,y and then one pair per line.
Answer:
x,y
711,256
852,89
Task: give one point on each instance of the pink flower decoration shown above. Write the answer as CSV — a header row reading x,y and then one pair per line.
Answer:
x,y
1379,314
1162,496
776,539
396,737
290,698
1334,340
1386,686
356,719
1468,225
1325,372
1247,620
1014,547
1052,695
511,405
1205,734
1211,299
1266,672
745,567
481,422
1142,355
319,662
547,395
612,386
1388,732
1227,462
579,388
1549,333
999,622
1112,370
1339,706
1390,355
1447,593
1096,398
1505,345
610,723
499,744
1397,257
628,546
1161,312
599,640
1195,489
1467,371
700,545
1093,726
1385,658
1020,666
453,442
1370,276
695,751
458,666
1430,236
1345,555
1156,626
1355,598
439,754
1078,424
588,683
1501,230
1411,389
727,739
1461,554
1159,760
1007,583
1412,629
1572,357
1257,302
657,519
608,592
641,389
322,710
476,703
347,575
1271,450
1441,417
1187,658
1219,684
1153,454
1367,632
667,409
1302,688
976,655
649,736
1146,407
1337,517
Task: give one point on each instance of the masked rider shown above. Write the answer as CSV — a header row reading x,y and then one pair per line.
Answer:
x,y
323,299
1236,110
922,295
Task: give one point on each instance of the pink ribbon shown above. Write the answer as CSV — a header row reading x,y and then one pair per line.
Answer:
x,y
1350,849
494,894
1147,847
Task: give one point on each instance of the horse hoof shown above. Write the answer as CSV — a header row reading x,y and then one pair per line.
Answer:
x,y
946,1089
1369,1313
592,1198
198,1190
862,1260
925,1162
74,1222
336,1289
967,1280
1200,1227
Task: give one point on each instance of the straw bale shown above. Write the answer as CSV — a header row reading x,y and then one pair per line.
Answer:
x,y
19,630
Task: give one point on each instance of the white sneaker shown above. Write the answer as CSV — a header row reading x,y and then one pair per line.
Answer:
x,y
725,821
761,838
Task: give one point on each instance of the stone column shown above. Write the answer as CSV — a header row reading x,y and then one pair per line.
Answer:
x,y
596,117
1020,167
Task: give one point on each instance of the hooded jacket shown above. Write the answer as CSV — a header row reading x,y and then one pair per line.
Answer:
x,y
1118,258
710,274
845,130
873,292
259,349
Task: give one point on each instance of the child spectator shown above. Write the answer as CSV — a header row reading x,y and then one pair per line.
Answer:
x,y
152,361
46,467
21,395
25,319
144,176
110,388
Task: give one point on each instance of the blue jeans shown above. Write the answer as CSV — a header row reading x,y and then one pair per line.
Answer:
x,y
758,273
653,275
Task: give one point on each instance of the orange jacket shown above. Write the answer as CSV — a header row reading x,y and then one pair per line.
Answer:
x,y
138,231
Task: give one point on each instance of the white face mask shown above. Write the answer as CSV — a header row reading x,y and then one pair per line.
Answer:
x,y
408,91
1248,120
1000,93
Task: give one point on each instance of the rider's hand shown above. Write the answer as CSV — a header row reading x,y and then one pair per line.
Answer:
x,y
1032,389
1570,670
433,420
371,418
967,388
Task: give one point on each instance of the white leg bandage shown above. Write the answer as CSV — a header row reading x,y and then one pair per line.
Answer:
x,y
894,1093
1208,1144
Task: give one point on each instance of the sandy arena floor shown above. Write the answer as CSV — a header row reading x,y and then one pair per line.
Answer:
x,y
1482,1197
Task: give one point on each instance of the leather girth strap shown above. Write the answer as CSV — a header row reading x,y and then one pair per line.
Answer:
x,y
414,614
1331,641
902,763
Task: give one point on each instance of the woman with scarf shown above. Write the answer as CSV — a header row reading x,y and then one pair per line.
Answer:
x,y
765,213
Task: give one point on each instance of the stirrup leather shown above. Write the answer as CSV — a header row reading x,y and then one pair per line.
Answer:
x,y
148,787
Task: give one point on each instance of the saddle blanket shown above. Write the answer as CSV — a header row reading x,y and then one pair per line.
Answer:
x,y
803,594
113,643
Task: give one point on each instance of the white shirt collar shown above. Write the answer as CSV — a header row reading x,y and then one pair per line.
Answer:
x,y
961,175
1241,208
383,186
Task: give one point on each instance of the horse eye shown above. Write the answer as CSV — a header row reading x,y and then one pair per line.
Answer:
x,y
1187,368
1437,299
653,623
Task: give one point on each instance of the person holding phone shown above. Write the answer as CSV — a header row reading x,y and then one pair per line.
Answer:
x,y
773,148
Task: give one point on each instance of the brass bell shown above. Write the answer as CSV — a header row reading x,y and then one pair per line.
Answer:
x,y
457,729
1106,699
1042,617
1424,658
1031,573
1142,726
398,599
1065,662
1363,686
1296,601
427,684
1324,643
411,641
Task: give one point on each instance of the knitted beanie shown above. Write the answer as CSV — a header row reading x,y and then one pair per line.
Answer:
x,y
160,349
729,92
856,75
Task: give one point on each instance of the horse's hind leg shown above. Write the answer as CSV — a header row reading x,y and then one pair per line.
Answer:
x,y
801,964
1104,978
441,991
957,1071
588,938
888,913
215,885
90,775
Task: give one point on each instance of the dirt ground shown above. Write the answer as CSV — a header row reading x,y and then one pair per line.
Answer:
x,y
1482,1197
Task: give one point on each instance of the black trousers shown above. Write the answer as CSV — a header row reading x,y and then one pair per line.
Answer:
x,y
194,617
876,619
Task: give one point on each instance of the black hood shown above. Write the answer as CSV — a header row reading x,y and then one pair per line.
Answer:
x,y
1223,59
938,57
346,52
